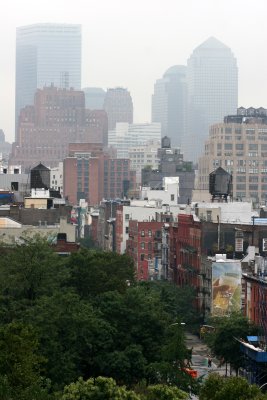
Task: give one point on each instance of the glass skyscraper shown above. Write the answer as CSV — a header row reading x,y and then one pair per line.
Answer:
x,y
169,104
46,54
212,92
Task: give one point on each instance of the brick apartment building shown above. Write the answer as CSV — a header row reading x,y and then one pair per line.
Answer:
x,y
57,118
92,174
144,246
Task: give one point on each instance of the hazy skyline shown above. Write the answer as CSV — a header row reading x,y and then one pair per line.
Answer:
x,y
132,43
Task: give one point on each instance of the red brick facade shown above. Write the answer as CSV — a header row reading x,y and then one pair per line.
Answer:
x,y
144,246
57,118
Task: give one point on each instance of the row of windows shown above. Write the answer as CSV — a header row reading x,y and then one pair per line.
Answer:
x,y
242,186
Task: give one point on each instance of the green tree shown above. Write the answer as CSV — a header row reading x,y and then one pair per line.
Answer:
x,y
30,269
126,367
20,364
92,272
223,341
217,387
164,392
73,337
97,389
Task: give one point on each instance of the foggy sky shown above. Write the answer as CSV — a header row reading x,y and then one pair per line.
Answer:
x,y
131,43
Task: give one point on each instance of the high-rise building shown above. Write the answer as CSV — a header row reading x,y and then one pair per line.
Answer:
x,y
118,106
94,98
239,146
57,118
169,103
212,92
46,54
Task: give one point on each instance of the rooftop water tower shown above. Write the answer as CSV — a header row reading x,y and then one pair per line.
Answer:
x,y
220,184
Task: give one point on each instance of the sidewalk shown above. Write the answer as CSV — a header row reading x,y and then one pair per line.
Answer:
x,y
200,356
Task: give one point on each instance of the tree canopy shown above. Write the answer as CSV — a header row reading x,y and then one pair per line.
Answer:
x,y
217,387
86,316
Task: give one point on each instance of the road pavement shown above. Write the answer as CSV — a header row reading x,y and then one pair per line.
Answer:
x,y
200,354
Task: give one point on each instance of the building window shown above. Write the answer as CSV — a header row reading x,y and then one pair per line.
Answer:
x,y
127,217
149,246
253,179
142,233
172,197
127,229
253,187
241,186
142,257
149,233
142,245
240,178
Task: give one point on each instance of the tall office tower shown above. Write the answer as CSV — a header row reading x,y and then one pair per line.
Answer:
x,y
94,98
57,118
212,92
169,104
118,106
238,145
46,54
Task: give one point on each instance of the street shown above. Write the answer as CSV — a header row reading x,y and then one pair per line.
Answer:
x,y
200,356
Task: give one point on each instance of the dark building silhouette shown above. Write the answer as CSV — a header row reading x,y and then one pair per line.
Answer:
x,y
40,177
220,184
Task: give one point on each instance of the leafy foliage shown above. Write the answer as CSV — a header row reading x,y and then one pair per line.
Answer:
x,y
85,316
217,387
20,363
92,272
97,389
164,392
223,340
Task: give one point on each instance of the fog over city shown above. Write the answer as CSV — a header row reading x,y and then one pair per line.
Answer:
x,y
132,43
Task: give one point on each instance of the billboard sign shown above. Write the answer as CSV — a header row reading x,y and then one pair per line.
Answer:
x,y
226,287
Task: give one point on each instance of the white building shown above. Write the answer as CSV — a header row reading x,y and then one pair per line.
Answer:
x,y
235,212
168,194
56,178
146,155
127,136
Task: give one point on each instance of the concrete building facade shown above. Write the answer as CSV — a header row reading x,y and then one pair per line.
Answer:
x,y
239,146
171,164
